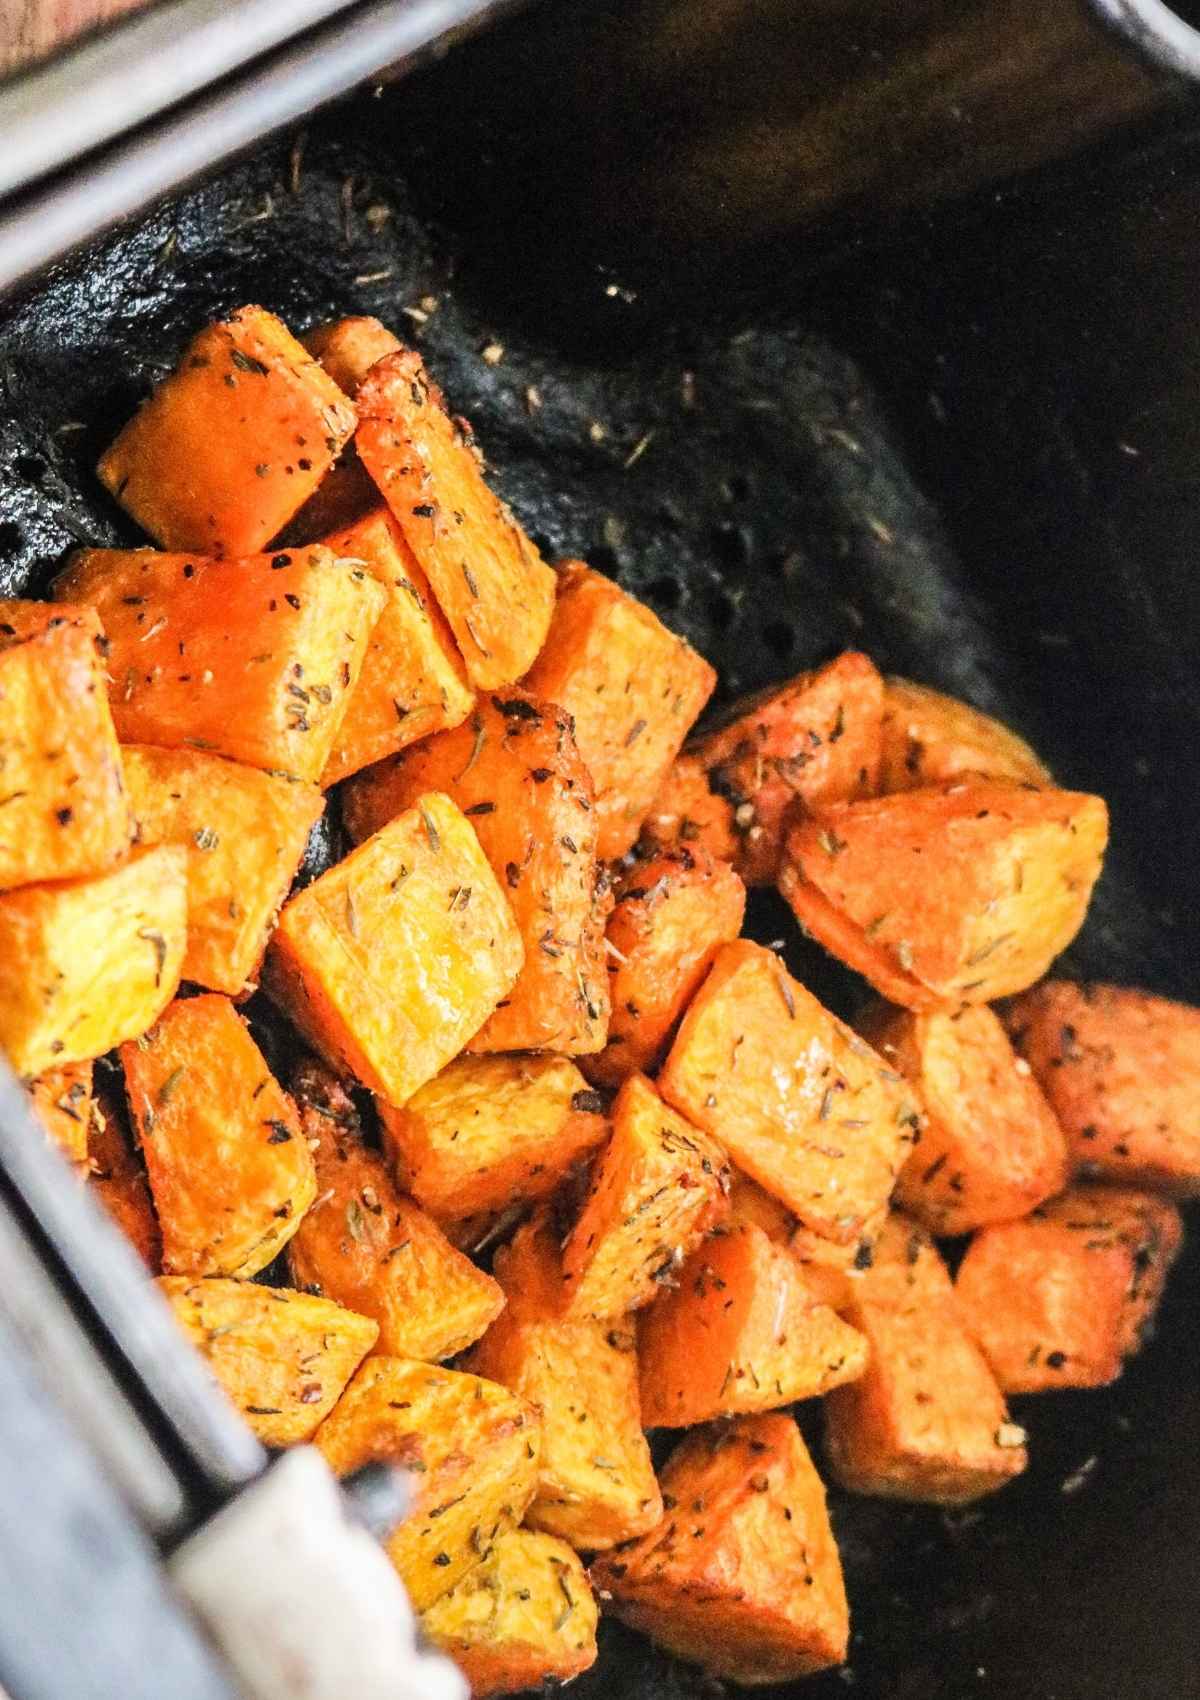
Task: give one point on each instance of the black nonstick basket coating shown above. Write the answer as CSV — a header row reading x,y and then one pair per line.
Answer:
x,y
935,451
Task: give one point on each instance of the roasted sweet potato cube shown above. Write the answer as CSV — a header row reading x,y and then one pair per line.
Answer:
x,y
99,959
633,688
253,658
488,1131
470,1446
815,740
1059,1299
348,348
283,1358
118,1180
229,446
1120,1068
742,1576
230,1173
412,681
514,770
62,1099
829,1269
524,1617
596,1484
799,1102
990,1147
743,1331
930,739
962,894
668,924
244,833
656,1189
926,1421
375,1251
390,961
687,811
63,809
492,585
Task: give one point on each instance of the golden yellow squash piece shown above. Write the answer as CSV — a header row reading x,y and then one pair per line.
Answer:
x,y
244,832
491,1130
282,1357
98,959
472,1450
658,1186
394,958
525,1616
596,1483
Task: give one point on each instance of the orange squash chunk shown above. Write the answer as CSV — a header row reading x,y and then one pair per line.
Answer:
x,y
926,1421
671,918
741,1332
1060,1299
688,812
348,348
392,960
490,1131
964,894
596,1484
62,1100
254,658
513,769
931,739
282,1358
412,682
1120,1068
799,1102
63,809
373,1250
229,446
657,1187
471,1449
750,1587
99,960
813,741
829,1270
244,833
492,585
230,1174
990,1146
118,1181
524,1618
633,689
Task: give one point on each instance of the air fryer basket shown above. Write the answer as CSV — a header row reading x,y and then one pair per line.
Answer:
x,y
969,449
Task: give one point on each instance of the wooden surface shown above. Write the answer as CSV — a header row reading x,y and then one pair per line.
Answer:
x,y
29,29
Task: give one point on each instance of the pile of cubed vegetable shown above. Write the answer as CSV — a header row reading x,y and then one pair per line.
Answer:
x,y
618,1156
